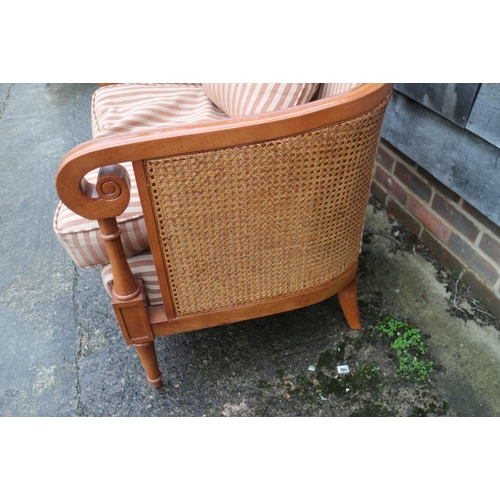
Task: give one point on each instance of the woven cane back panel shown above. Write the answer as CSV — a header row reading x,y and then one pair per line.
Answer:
x,y
261,221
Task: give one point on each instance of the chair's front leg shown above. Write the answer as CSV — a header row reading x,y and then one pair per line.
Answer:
x,y
147,355
129,302
133,319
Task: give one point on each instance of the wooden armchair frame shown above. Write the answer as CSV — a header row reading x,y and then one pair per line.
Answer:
x,y
335,139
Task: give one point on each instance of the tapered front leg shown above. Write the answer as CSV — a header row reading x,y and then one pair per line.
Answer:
x,y
147,355
349,303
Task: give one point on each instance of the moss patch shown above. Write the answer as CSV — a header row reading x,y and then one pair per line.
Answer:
x,y
390,372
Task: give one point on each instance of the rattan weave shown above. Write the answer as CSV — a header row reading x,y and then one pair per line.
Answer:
x,y
265,220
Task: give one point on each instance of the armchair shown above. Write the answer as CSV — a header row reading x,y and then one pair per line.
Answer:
x,y
209,211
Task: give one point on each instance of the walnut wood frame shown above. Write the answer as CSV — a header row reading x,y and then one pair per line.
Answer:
x,y
105,201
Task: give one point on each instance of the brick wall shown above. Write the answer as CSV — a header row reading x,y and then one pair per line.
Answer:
x,y
457,234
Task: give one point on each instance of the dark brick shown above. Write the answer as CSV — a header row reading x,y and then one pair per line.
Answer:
x,y
438,185
439,250
488,297
403,216
384,159
481,218
378,192
470,255
451,214
491,247
391,185
395,152
414,183
430,220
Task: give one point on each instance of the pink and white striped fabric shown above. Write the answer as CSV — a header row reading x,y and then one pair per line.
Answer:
x,y
331,89
242,99
142,267
128,107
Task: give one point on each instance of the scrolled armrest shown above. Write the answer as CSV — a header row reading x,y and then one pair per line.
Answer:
x,y
108,198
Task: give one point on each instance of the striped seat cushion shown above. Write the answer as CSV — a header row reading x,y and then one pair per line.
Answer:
x,y
122,108
142,267
242,99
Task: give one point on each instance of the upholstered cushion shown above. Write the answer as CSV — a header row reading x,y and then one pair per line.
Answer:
x,y
122,108
142,267
331,89
127,107
241,99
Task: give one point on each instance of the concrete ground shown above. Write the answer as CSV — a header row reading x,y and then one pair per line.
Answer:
x,y
62,352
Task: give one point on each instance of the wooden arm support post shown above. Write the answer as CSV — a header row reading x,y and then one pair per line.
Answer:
x,y
129,302
104,202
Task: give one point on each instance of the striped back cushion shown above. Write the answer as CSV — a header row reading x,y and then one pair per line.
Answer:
x,y
331,89
241,99
128,107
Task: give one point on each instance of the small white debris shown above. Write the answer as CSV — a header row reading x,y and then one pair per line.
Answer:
x,y
342,369
347,390
312,368
396,290
322,397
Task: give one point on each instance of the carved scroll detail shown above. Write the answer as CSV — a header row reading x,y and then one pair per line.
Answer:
x,y
108,198
109,189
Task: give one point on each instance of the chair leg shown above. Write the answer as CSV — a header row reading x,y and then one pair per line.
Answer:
x,y
349,303
147,355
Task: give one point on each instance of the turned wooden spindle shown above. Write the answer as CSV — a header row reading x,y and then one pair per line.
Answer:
x,y
125,286
129,299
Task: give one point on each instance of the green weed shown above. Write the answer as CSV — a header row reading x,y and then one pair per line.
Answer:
x,y
409,348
